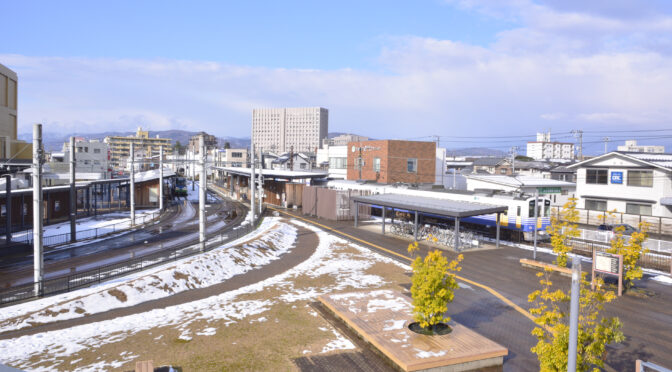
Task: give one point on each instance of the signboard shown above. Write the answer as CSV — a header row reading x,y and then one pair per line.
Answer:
x,y
617,177
606,263
549,190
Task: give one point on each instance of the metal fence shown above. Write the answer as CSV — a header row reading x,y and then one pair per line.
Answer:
x,y
657,225
85,278
649,260
597,236
94,233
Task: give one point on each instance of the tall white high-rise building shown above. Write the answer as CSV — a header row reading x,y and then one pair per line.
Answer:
x,y
282,129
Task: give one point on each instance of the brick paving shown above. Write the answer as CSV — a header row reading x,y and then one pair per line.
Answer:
x,y
646,313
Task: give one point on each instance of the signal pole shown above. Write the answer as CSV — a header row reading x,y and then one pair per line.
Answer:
x,y
38,211
202,187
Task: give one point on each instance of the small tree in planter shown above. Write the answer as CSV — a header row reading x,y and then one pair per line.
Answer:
x,y
432,289
562,229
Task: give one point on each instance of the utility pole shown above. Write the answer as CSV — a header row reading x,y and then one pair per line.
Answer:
x,y
252,185
160,179
202,188
193,168
606,141
579,134
574,314
359,163
261,181
73,193
38,211
513,159
132,181
536,219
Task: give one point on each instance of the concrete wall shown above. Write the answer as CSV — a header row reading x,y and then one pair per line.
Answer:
x,y
330,204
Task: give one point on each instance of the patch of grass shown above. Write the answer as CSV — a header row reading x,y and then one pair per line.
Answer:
x,y
119,295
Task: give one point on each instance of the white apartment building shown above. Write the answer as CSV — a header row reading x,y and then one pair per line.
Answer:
x,y
544,149
335,159
631,146
285,129
631,183
344,139
91,161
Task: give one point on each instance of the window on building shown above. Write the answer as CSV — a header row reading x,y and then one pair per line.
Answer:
x,y
640,178
86,149
597,176
96,151
338,163
412,165
642,209
376,164
596,205
303,166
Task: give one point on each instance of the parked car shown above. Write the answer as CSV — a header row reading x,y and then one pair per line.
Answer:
x,y
623,227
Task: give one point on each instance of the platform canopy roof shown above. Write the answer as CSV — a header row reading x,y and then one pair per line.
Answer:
x,y
276,173
442,207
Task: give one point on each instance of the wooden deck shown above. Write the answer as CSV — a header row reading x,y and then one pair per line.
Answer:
x,y
382,318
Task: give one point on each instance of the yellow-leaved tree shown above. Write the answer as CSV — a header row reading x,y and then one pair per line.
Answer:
x,y
563,228
631,249
433,283
550,306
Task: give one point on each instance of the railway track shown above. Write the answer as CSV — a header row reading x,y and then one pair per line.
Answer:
x,y
179,231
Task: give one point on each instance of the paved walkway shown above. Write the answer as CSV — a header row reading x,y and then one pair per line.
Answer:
x,y
646,315
306,245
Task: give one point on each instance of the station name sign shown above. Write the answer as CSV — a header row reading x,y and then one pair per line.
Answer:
x,y
549,190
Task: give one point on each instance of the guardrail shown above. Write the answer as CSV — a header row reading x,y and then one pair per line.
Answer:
x,y
52,240
85,278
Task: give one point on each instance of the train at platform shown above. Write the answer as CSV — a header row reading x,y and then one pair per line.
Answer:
x,y
518,223
181,186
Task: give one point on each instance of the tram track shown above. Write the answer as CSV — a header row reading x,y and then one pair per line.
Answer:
x,y
168,234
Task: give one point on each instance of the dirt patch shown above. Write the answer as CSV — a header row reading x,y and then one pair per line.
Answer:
x,y
79,310
119,295
54,313
180,276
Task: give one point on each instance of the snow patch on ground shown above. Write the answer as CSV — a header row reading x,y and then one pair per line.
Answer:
x,y
340,343
270,241
665,279
391,325
346,270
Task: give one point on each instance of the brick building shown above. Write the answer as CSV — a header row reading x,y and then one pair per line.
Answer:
x,y
391,161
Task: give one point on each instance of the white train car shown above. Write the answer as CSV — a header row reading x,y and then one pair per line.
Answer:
x,y
519,218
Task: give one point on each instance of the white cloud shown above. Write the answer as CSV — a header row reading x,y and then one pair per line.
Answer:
x,y
572,64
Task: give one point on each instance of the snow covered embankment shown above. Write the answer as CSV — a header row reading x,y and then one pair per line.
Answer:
x,y
272,239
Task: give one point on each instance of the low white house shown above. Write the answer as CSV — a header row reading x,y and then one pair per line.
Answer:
x,y
632,183
335,159
558,191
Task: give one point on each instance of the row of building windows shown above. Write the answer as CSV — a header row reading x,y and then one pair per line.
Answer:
x,y
630,208
634,177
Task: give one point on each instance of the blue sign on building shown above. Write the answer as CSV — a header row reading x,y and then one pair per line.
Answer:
x,y
617,177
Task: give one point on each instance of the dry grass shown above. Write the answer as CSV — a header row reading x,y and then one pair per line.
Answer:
x,y
119,295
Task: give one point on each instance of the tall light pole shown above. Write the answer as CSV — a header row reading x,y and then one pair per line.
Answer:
x,y
574,314
38,211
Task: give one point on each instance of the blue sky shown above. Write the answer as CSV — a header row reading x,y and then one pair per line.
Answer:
x,y
495,70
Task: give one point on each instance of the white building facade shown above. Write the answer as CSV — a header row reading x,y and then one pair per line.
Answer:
x,y
286,129
558,192
335,159
630,183
544,149
631,146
